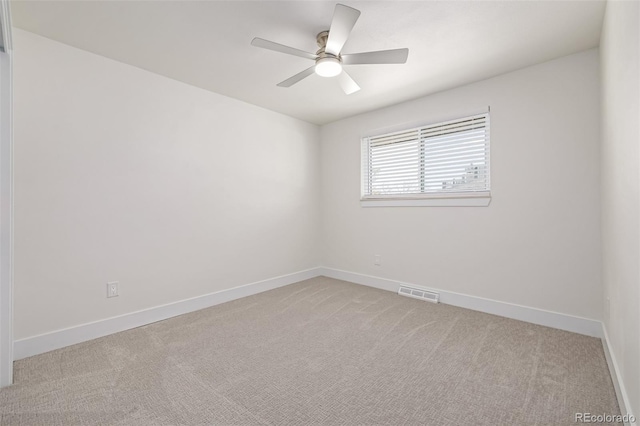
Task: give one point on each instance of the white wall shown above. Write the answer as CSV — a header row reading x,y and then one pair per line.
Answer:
x,y
124,175
620,50
537,244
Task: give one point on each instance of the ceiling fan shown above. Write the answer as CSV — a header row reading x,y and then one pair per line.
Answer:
x,y
329,59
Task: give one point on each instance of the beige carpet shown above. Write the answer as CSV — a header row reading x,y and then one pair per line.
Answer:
x,y
318,352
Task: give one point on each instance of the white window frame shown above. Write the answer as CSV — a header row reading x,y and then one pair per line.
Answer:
x,y
473,198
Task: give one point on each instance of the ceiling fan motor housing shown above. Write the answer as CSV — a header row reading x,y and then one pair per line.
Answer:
x,y
327,65
322,38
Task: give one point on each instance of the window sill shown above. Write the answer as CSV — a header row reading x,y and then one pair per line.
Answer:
x,y
455,200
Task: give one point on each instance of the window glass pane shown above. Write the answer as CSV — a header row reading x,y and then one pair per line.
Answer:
x,y
440,158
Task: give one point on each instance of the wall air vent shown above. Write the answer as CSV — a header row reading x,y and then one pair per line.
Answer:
x,y
415,293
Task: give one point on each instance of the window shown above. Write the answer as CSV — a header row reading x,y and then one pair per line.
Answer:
x,y
439,164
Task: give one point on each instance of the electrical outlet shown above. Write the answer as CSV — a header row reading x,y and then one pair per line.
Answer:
x,y
377,260
112,289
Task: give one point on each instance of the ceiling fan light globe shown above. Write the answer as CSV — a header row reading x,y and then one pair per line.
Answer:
x,y
328,67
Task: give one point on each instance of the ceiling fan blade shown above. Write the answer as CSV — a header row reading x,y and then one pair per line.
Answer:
x,y
395,56
346,82
344,18
296,78
266,44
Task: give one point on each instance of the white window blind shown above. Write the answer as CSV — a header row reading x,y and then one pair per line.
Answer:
x,y
443,158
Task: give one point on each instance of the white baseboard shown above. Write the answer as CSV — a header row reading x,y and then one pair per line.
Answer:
x,y
69,336
566,322
618,384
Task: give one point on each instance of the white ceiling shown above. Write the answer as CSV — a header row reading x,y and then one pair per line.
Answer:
x,y
207,44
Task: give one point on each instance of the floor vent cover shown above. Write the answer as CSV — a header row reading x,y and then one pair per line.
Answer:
x,y
419,294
